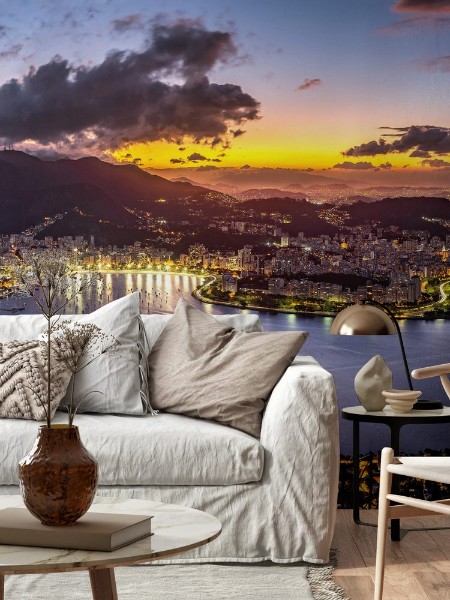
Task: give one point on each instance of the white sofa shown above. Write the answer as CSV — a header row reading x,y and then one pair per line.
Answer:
x,y
275,496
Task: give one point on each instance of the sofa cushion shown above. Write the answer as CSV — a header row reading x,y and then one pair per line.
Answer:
x,y
161,450
202,368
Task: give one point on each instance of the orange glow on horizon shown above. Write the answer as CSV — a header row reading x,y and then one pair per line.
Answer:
x,y
278,154
306,142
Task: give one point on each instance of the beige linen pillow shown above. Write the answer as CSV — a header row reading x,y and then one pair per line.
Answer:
x,y
201,368
23,380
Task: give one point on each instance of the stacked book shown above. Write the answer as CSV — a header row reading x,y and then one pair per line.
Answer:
x,y
103,532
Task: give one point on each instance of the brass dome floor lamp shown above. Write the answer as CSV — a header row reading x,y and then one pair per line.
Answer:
x,y
373,318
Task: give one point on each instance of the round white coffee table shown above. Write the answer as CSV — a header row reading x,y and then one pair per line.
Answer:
x,y
176,530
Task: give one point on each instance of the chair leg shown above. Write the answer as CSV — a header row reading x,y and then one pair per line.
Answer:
x,y
387,456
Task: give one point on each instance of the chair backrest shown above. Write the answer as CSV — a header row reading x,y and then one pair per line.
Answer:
x,y
441,371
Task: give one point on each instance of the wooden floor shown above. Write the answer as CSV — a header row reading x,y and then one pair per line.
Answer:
x,y
418,567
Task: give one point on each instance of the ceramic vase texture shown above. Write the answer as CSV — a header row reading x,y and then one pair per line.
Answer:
x,y
58,477
370,381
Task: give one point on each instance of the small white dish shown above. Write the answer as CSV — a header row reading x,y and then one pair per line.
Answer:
x,y
401,401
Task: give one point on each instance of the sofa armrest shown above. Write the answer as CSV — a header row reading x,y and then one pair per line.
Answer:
x,y
300,436
301,407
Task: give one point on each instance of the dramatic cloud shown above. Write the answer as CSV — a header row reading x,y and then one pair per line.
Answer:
x,y
177,161
237,132
425,24
422,6
441,64
386,165
128,158
436,162
127,98
11,52
369,149
195,156
363,165
417,138
45,153
246,167
206,168
397,130
124,24
308,83
432,16
420,154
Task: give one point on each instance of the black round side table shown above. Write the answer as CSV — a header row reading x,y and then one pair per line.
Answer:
x,y
395,421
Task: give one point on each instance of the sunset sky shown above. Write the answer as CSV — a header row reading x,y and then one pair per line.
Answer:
x,y
345,85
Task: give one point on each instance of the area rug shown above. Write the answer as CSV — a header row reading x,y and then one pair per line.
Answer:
x,y
265,581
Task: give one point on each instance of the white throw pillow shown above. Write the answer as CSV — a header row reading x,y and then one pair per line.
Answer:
x,y
21,328
117,375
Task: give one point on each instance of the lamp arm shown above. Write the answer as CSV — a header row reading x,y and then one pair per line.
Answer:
x,y
400,337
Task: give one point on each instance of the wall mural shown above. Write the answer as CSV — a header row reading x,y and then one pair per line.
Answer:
x,y
288,157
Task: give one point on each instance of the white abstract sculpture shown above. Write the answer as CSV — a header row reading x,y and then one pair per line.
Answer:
x,y
374,377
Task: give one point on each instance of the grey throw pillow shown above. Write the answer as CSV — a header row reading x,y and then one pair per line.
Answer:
x,y
201,368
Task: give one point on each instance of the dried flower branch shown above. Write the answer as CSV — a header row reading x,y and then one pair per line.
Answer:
x,y
76,345
48,277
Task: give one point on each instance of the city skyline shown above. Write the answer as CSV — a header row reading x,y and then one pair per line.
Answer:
x,y
358,94
264,266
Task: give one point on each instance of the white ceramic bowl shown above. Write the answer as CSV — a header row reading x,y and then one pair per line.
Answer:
x,y
401,401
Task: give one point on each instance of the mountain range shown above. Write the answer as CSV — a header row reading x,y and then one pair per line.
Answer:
x,y
123,203
93,197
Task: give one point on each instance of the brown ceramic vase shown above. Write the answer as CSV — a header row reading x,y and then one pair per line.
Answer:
x,y
58,477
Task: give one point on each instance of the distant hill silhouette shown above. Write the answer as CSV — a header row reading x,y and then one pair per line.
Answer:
x,y
269,193
405,213
89,191
121,203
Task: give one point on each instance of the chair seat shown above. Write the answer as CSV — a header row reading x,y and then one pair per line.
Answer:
x,y
431,468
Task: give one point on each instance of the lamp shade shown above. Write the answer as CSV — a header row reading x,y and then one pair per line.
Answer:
x,y
362,319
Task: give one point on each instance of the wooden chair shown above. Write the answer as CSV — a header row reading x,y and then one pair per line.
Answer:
x,y
430,468
441,371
